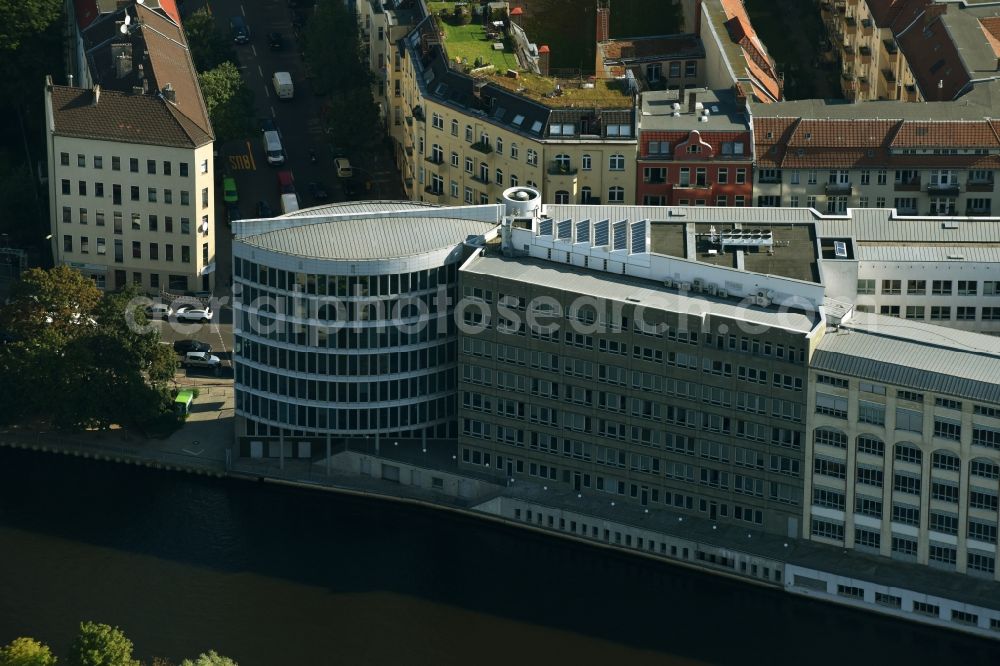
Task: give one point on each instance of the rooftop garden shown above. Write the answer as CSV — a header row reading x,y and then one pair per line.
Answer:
x,y
470,48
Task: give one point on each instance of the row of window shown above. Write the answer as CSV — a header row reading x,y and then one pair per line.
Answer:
x,y
135,193
100,248
165,167
658,176
135,220
344,285
938,177
937,287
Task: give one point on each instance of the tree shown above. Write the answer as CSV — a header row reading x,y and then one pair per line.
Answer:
x,y
353,118
101,645
211,658
26,652
229,101
21,19
209,47
88,349
333,49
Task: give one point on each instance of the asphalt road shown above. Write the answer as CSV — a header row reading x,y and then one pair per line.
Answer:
x,y
219,336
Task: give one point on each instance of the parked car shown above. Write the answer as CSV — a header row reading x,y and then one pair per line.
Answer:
x,y
275,40
197,359
343,166
229,194
192,313
264,209
232,213
185,346
159,311
317,191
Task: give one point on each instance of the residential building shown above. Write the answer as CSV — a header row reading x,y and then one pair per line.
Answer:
x,y
935,159
695,148
912,50
130,158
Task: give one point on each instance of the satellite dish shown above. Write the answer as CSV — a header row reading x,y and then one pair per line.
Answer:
x,y
128,19
141,2
123,29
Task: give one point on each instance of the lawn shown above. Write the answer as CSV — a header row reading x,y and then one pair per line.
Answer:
x,y
467,43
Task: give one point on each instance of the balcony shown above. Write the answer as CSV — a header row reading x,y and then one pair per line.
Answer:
x,y
702,185
481,179
941,211
865,54
483,148
851,24
864,85
559,169
418,114
889,76
911,185
848,54
979,186
950,189
434,191
867,27
438,161
891,50
839,188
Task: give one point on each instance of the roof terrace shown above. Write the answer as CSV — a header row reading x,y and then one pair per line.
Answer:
x,y
496,50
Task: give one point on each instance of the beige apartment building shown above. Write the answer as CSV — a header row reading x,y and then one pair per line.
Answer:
x,y
464,133
912,50
130,160
928,160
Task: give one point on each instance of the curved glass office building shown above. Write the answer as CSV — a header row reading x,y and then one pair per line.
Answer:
x,y
343,321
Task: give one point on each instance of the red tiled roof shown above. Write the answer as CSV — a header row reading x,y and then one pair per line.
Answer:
x,y
934,60
544,48
946,134
170,8
759,64
86,11
991,28
842,133
517,11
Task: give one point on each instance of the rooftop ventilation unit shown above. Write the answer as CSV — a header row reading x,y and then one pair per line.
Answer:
x,y
747,238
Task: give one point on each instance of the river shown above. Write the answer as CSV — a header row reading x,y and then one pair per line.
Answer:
x,y
279,576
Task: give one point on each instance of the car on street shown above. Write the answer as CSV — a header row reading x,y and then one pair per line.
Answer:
x,y
317,191
159,311
344,168
229,194
275,41
264,209
197,359
189,345
239,30
193,313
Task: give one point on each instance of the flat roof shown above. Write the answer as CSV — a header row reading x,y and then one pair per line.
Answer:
x,y
911,353
636,291
724,114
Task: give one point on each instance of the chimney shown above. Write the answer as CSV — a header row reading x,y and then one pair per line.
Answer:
x,y
692,101
169,93
603,21
122,54
543,59
97,94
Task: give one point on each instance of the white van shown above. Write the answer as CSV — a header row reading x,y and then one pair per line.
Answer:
x,y
289,203
272,146
283,86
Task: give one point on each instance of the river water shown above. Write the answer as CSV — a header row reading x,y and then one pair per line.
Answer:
x,y
276,576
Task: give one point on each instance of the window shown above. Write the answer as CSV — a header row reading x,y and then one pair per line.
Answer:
x,y
136,250
827,530
562,197
616,194
946,461
905,452
151,194
532,157
871,445
984,436
976,562
101,246
915,312
99,190
866,287
468,133
166,168
741,176
829,437
947,429
967,287
905,483
868,506
941,287
133,165
586,163
831,405
943,554
910,420
940,312
616,162
67,243
67,214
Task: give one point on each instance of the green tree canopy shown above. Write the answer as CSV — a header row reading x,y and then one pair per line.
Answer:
x,y
210,658
21,19
92,361
209,47
26,652
101,645
229,101
333,49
